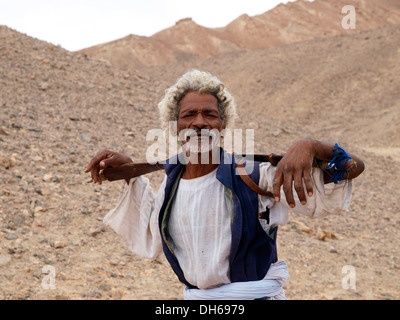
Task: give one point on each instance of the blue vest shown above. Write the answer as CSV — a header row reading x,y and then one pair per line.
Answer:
x,y
252,249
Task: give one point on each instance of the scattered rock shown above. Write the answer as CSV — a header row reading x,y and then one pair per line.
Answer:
x,y
277,132
13,160
59,244
95,294
38,209
6,191
95,232
86,211
86,137
19,220
323,235
5,163
4,260
44,86
3,131
114,262
37,224
302,227
105,287
48,177
37,273
11,236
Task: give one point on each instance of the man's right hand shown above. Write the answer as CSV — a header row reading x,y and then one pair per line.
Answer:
x,y
104,159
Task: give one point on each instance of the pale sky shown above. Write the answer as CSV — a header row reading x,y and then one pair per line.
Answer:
x,y
78,24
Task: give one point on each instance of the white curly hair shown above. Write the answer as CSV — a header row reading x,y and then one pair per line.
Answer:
x,y
202,82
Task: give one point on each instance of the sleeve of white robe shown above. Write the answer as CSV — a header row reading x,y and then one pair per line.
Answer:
x,y
135,217
326,199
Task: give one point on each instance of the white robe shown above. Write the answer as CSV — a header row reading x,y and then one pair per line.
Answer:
x,y
199,227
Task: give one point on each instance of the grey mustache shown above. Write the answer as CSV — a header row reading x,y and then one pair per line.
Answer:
x,y
195,133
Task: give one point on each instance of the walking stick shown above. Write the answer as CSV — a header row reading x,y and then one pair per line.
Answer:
x,y
132,170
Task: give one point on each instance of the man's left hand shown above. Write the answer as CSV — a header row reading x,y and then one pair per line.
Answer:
x,y
294,168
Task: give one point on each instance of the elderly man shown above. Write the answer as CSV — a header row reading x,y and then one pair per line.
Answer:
x,y
217,233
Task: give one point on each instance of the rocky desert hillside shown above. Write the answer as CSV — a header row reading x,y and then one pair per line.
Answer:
x,y
325,84
287,23
58,108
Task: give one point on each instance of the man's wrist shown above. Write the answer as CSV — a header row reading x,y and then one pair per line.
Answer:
x,y
323,150
310,144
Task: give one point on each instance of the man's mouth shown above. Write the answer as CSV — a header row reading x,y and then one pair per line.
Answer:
x,y
200,141
199,138
202,136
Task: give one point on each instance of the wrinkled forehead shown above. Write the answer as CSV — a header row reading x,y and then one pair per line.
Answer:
x,y
196,100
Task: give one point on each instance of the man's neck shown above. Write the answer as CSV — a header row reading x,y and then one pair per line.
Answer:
x,y
193,171
201,167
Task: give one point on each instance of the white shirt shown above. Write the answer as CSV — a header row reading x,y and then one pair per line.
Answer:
x,y
200,228
200,223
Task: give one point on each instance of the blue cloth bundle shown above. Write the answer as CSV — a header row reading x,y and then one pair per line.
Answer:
x,y
338,164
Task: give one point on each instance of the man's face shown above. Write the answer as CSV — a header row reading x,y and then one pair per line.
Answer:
x,y
198,115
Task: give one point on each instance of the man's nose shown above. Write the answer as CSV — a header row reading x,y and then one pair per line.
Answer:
x,y
199,122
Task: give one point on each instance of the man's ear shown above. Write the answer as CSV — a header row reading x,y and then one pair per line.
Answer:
x,y
223,127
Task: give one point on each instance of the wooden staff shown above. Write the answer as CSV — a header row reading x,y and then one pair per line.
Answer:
x,y
132,170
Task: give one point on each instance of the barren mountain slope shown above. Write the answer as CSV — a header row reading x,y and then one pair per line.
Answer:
x,y
187,38
304,20
58,108
286,23
322,84
133,51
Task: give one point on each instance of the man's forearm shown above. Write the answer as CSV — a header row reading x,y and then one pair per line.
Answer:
x,y
325,151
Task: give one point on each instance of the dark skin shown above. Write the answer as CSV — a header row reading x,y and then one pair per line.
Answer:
x,y
200,111
296,166
196,111
104,159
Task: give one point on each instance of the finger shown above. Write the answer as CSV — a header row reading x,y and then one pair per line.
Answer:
x,y
95,175
351,166
276,186
109,162
288,189
308,182
298,186
96,159
89,167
